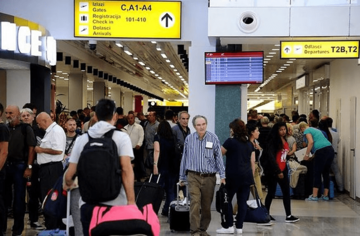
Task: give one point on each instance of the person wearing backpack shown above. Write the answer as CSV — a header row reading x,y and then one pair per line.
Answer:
x,y
89,156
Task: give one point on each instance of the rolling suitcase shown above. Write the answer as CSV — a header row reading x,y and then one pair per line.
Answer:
x,y
299,190
149,192
58,232
179,215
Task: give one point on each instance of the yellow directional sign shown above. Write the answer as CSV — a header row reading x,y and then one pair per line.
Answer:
x,y
320,49
127,19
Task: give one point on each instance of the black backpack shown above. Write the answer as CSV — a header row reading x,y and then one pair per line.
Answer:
x,y
98,170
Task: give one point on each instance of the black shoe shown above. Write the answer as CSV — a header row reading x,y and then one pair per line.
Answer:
x,y
165,213
291,219
272,218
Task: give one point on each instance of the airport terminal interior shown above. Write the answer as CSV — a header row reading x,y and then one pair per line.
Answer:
x,y
162,72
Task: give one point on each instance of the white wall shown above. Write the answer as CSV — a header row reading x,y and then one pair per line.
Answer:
x,y
345,83
17,87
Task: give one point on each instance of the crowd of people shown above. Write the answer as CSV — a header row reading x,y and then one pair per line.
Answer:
x,y
34,148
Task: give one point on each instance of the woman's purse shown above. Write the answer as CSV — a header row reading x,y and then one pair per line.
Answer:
x,y
256,212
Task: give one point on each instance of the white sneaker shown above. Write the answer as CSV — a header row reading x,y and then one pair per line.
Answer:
x,y
229,230
239,231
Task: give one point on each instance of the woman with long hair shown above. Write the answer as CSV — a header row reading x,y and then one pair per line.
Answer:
x,y
239,175
164,154
275,168
253,133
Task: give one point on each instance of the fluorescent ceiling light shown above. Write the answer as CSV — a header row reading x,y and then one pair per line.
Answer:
x,y
289,62
66,79
168,61
163,55
158,48
267,59
175,70
159,78
284,67
153,42
277,45
286,64
269,56
281,69
278,71
172,66
126,50
141,63
119,44
272,52
177,73
56,76
148,68
156,75
275,49
135,57
152,72
59,71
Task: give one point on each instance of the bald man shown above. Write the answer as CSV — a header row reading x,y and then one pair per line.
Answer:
x,y
18,165
50,154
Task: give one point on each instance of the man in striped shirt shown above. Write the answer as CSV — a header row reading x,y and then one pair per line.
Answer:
x,y
201,160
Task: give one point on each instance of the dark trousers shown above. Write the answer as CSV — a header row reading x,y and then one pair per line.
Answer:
x,y
139,167
2,205
322,164
285,188
242,195
34,194
86,214
15,177
168,181
49,174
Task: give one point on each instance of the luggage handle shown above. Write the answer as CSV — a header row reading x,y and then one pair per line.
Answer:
x,y
157,181
187,193
68,211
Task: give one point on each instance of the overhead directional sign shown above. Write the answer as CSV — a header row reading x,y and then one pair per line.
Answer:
x,y
320,49
127,19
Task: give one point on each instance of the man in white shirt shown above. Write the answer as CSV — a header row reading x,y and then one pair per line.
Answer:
x,y
136,133
50,154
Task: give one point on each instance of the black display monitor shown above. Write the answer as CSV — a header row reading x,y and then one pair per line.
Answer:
x,y
234,67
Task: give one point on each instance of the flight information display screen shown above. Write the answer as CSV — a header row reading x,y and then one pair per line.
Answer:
x,y
234,67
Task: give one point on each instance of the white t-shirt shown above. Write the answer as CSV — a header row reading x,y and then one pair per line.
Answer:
x,y
123,144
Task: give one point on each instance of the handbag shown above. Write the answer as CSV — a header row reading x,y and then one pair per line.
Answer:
x,y
222,203
257,214
54,203
124,220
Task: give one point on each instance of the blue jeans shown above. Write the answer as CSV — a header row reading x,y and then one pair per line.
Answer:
x,y
14,176
168,182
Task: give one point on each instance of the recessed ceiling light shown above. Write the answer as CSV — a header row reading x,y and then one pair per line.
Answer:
x,y
172,66
163,55
148,68
66,79
156,75
278,71
286,64
277,45
141,63
119,44
59,71
56,76
289,62
177,73
284,67
267,59
269,56
275,49
175,70
272,52
152,72
168,61
153,42
159,78
281,69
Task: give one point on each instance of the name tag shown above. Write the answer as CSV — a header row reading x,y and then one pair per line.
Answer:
x,y
209,145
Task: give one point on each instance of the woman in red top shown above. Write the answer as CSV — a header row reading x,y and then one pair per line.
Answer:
x,y
274,163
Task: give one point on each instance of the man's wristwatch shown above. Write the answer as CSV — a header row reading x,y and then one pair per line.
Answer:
x,y
29,167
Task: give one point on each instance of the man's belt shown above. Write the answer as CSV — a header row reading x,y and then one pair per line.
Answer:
x,y
50,163
202,174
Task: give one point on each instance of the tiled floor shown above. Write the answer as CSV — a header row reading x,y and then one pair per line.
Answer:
x,y
340,216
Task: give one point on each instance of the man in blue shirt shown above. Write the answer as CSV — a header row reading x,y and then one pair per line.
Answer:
x,y
201,160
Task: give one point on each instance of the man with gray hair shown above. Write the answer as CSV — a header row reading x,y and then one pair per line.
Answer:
x,y
18,165
201,160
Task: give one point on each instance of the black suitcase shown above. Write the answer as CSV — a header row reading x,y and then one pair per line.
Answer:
x,y
179,215
149,192
299,190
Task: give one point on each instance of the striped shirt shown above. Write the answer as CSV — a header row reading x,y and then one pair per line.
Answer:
x,y
197,157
